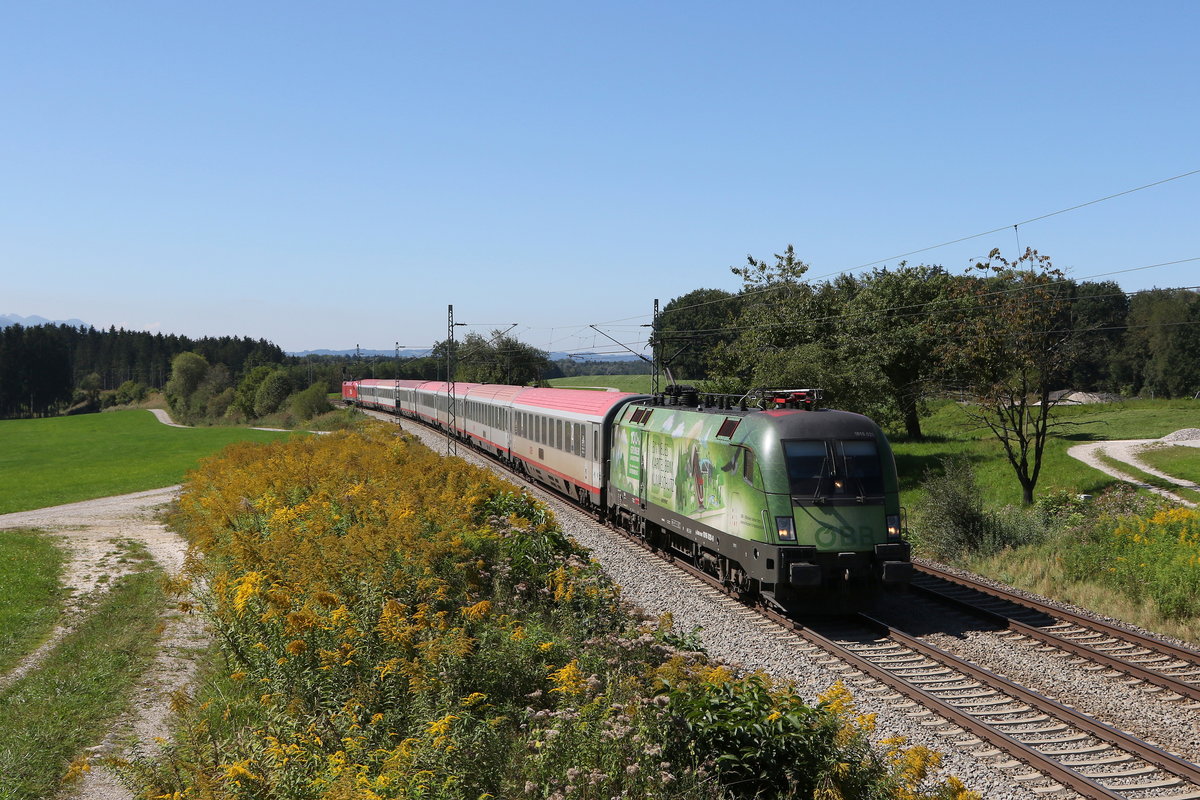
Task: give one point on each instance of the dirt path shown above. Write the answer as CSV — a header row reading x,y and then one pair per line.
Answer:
x,y
1127,450
91,532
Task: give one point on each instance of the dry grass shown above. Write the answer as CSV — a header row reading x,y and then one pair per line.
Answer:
x,y
1037,569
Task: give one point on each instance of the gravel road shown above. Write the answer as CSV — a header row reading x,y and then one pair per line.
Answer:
x,y
1127,450
91,533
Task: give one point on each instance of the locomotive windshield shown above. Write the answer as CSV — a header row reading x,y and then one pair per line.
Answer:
x,y
834,469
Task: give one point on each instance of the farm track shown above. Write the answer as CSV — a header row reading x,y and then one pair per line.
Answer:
x,y
1046,747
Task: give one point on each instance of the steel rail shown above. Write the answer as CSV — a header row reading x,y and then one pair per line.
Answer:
x,y
1153,642
1060,642
1160,758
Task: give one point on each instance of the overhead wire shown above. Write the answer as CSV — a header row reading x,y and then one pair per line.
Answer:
x,y
959,240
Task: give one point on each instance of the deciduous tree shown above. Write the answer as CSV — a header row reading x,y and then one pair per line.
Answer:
x,y
1012,347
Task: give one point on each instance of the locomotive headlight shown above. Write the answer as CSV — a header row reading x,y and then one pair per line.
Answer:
x,y
893,527
786,528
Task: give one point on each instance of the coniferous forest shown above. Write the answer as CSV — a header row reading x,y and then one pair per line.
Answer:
x,y
42,366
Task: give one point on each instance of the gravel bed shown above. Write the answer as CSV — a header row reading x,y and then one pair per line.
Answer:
x,y
1185,435
738,636
1108,696
1087,613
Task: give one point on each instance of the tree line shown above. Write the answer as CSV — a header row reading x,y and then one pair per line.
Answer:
x,y
885,341
1005,339
47,369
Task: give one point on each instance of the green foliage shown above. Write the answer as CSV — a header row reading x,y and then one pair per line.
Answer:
x,y
46,462
35,370
1160,358
131,392
691,326
30,595
1146,554
310,403
271,393
247,389
498,359
951,522
188,371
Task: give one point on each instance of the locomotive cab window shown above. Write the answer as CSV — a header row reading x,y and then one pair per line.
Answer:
x,y
834,470
808,465
863,467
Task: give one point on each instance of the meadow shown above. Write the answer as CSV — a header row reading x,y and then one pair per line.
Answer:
x,y
1178,461
1123,553
30,595
47,462
949,432
622,383
71,699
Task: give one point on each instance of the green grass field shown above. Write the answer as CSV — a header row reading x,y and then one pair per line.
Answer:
x,y
622,383
30,596
951,433
46,462
1177,461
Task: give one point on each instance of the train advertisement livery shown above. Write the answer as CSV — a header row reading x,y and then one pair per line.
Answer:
x,y
679,465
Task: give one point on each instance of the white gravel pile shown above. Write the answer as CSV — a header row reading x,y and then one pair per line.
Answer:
x,y
1185,435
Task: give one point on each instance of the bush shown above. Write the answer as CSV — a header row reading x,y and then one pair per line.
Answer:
x,y
219,404
131,392
1146,551
187,373
310,402
952,524
270,395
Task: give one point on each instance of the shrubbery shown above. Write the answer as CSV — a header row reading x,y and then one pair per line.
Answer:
x,y
952,523
399,625
1145,550
271,393
310,403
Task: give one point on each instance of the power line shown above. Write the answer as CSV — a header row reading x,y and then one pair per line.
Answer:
x,y
1017,224
1075,207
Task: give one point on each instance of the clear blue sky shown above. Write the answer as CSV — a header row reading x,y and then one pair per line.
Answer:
x,y
333,174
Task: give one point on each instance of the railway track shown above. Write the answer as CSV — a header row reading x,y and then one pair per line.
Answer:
x,y
1052,749
1048,747
1170,667
1064,750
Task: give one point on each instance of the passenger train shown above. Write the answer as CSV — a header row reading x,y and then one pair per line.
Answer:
x,y
785,502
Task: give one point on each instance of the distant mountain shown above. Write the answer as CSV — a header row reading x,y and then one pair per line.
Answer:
x,y
17,319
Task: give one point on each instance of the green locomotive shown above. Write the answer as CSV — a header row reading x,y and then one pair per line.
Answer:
x,y
779,499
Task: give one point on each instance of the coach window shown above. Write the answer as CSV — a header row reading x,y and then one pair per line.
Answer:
x,y
558,442
747,464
